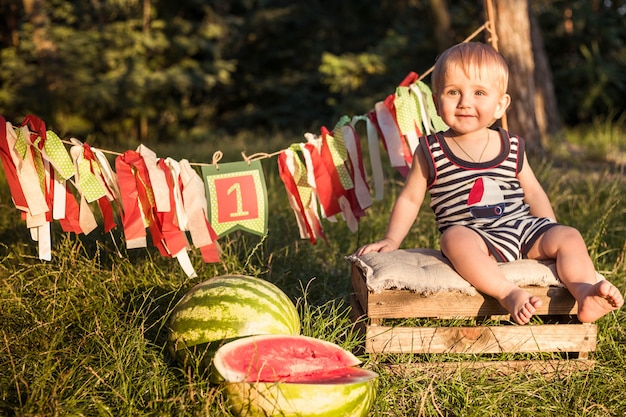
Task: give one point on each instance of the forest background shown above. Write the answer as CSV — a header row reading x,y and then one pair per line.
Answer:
x,y
119,72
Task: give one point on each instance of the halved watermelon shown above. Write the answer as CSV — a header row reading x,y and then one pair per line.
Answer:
x,y
287,375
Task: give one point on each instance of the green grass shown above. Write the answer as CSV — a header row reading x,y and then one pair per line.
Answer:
x,y
84,334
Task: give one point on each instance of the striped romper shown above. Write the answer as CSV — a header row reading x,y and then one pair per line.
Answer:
x,y
485,196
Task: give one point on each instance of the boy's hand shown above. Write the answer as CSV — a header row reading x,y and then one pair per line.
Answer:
x,y
383,245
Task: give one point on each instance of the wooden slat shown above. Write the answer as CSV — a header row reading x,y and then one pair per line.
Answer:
x,y
404,304
483,339
360,288
548,367
408,304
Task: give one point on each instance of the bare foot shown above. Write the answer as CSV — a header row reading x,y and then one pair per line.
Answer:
x,y
600,299
521,305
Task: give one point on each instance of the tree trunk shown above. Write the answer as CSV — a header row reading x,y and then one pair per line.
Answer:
x,y
441,24
547,112
514,42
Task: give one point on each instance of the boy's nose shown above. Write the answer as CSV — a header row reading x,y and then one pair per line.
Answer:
x,y
463,102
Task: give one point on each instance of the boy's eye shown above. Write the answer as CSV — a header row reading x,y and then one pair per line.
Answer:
x,y
480,93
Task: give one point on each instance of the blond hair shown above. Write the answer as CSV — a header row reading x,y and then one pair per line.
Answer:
x,y
476,59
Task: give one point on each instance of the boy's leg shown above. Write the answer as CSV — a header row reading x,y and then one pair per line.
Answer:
x,y
470,257
576,271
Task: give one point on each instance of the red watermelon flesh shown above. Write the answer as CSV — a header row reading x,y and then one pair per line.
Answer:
x,y
287,358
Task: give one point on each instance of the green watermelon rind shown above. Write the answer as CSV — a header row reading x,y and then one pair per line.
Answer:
x,y
353,399
225,308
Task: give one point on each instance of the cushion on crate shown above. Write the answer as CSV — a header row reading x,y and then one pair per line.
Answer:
x,y
427,271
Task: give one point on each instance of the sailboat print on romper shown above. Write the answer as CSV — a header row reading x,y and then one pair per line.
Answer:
x,y
486,200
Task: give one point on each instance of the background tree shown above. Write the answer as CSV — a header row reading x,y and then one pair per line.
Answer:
x,y
515,43
112,71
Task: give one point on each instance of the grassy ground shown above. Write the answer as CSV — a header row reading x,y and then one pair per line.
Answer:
x,y
85,333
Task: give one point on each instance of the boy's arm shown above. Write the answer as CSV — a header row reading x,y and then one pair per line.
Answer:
x,y
405,209
534,195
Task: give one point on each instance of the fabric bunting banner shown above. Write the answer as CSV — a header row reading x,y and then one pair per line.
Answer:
x,y
174,206
237,197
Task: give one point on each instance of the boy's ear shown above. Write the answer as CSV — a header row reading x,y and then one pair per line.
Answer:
x,y
503,104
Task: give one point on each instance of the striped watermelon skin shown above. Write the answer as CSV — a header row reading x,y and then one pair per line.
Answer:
x,y
225,308
265,399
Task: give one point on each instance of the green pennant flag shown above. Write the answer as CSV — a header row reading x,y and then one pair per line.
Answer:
x,y
236,197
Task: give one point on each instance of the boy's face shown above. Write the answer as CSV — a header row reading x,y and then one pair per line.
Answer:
x,y
467,103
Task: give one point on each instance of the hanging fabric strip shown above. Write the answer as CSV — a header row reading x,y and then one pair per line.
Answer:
x,y
345,198
71,221
105,201
374,152
429,105
311,209
194,199
339,154
44,241
353,147
88,187
174,238
406,151
9,164
391,135
32,199
181,216
89,184
109,178
60,199
323,180
50,146
287,171
132,217
87,220
157,179
301,196
407,116
426,123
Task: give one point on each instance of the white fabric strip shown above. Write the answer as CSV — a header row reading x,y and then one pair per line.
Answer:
x,y
108,175
181,216
44,242
60,199
183,259
157,179
391,135
195,203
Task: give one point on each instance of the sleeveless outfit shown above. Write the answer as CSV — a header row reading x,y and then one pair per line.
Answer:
x,y
484,196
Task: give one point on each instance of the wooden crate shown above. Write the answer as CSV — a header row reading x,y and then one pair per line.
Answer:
x,y
573,340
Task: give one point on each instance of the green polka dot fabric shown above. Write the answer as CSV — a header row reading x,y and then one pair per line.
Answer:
x,y
437,123
57,154
88,182
339,162
300,178
21,145
407,112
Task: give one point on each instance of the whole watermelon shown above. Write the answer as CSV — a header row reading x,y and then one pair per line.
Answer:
x,y
225,308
